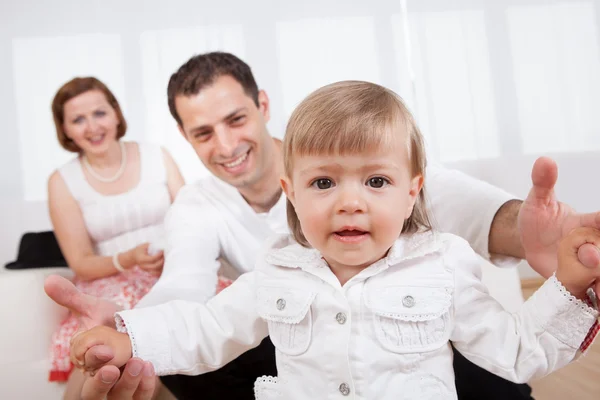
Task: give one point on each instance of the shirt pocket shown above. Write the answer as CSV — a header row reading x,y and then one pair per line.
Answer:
x,y
411,319
288,315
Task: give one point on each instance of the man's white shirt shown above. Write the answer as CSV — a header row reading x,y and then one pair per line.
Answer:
x,y
210,219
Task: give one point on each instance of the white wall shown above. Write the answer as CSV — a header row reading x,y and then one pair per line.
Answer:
x,y
492,83
29,27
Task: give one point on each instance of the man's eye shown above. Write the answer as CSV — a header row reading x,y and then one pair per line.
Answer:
x,y
239,119
201,135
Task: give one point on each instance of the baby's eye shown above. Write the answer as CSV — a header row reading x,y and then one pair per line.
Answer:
x,y
377,182
323,183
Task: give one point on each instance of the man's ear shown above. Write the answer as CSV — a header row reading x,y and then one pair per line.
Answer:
x,y
264,105
286,185
416,184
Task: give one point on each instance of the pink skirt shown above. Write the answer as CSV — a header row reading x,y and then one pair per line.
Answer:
x,y
125,289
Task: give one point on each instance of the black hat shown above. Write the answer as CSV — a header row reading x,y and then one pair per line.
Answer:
x,y
38,250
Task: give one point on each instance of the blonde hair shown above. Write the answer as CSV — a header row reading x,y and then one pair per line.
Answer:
x,y
351,117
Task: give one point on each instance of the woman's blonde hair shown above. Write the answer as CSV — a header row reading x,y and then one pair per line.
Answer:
x,y
352,117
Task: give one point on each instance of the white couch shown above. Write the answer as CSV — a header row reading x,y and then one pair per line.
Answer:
x,y
28,318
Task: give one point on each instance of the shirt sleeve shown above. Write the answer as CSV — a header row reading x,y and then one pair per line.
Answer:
x,y
545,335
192,249
190,338
465,206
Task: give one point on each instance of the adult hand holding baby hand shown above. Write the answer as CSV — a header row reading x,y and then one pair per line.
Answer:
x,y
117,342
579,261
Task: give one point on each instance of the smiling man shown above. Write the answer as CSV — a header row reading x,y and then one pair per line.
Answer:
x,y
223,115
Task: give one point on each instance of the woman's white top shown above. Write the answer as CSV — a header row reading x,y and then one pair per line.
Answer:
x,y
117,223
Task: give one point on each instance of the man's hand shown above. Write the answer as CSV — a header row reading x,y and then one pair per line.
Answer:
x,y
91,311
137,382
543,221
105,384
118,346
577,269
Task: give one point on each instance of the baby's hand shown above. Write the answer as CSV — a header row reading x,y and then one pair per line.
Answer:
x,y
105,336
576,277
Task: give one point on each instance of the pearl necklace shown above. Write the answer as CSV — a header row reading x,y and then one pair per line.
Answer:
x,y
93,173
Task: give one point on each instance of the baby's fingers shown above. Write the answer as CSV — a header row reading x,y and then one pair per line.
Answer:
x,y
82,342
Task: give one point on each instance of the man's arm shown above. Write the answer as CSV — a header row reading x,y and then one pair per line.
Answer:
x,y
505,238
192,248
494,223
138,381
482,214
92,311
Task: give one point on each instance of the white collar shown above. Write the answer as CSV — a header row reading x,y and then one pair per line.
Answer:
x,y
285,252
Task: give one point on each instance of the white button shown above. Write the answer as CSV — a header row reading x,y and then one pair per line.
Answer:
x,y
341,318
408,301
280,304
344,389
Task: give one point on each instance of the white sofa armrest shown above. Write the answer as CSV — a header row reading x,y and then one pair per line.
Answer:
x,y
28,318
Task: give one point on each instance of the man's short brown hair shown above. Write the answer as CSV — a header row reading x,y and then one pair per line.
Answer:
x,y
203,70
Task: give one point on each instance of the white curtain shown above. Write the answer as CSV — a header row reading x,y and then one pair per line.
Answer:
x,y
505,78
485,79
41,66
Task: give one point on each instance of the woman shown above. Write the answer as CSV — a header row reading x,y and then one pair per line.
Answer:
x,y
107,206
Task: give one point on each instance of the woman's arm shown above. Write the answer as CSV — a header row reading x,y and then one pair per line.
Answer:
x,y
473,210
73,238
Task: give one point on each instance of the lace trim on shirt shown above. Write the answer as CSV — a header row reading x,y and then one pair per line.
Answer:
x,y
561,314
416,245
266,379
266,388
582,305
295,256
122,327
